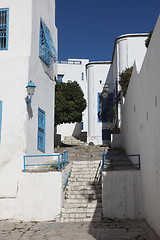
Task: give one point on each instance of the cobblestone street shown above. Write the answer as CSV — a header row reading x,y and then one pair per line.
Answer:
x,y
105,230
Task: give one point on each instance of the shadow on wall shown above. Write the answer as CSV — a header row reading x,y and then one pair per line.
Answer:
x,y
77,130
29,109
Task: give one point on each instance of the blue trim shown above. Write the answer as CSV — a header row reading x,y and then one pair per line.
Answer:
x,y
82,126
82,75
41,130
0,119
66,179
114,155
4,27
60,77
62,157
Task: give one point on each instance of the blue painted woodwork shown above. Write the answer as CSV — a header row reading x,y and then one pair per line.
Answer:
x,y
41,130
47,52
105,108
82,75
60,77
82,125
4,24
0,118
106,134
62,157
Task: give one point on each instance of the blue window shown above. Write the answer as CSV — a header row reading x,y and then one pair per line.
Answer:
x,y
47,52
105,108
60,77
4,16
82,75
41,130
0,118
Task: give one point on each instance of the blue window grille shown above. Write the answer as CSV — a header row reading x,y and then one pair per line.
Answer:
x,y
59,77
47,52
41,130
0,118
105,108
4,22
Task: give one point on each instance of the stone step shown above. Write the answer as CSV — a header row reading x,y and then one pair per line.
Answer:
x,y
88,205
76,183
81,210
83,192
83,196
82,179
88,219
81,215
87,163
77,187
82,202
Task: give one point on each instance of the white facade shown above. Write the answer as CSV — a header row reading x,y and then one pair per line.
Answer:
x,y
20,64
141,128
73,70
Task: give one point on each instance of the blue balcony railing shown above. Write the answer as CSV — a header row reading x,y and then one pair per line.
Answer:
x,y
62,159
112,164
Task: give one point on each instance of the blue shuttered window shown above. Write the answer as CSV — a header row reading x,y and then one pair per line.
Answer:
x,y
41,130
47,52
0,118
4,18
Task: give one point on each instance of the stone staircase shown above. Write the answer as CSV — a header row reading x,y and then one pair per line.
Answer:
x,y
83,196
70,140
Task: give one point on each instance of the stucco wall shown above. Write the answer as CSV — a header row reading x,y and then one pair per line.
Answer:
x,y
140,126
14,77
96,75
19,64
73,72
122,194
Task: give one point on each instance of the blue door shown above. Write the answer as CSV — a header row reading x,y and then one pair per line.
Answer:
x,y
41,130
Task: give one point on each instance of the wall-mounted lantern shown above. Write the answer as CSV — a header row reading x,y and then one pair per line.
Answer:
x,y
30,90
105,91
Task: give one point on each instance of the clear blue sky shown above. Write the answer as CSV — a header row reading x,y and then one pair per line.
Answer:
x,y
88,28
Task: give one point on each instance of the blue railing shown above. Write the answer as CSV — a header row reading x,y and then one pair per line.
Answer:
x,y
66,179
114,155
62,160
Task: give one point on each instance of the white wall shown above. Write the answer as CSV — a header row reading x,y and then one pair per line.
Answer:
x,y
14,77
73,72
43,77
19,64
122,194
96,72
141,128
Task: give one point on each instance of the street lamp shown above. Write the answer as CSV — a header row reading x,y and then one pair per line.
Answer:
x,y
30,90
105,91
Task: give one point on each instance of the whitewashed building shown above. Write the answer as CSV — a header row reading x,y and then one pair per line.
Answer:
x,y
73,70
93,77
28,46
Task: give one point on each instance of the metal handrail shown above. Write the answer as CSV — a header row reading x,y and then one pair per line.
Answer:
x,y
115,155
62,159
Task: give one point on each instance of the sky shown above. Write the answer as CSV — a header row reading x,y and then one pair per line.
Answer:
x,y
87,29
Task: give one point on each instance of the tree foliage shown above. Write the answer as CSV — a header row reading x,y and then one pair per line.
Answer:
x,y
147,41
69,102
124,79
